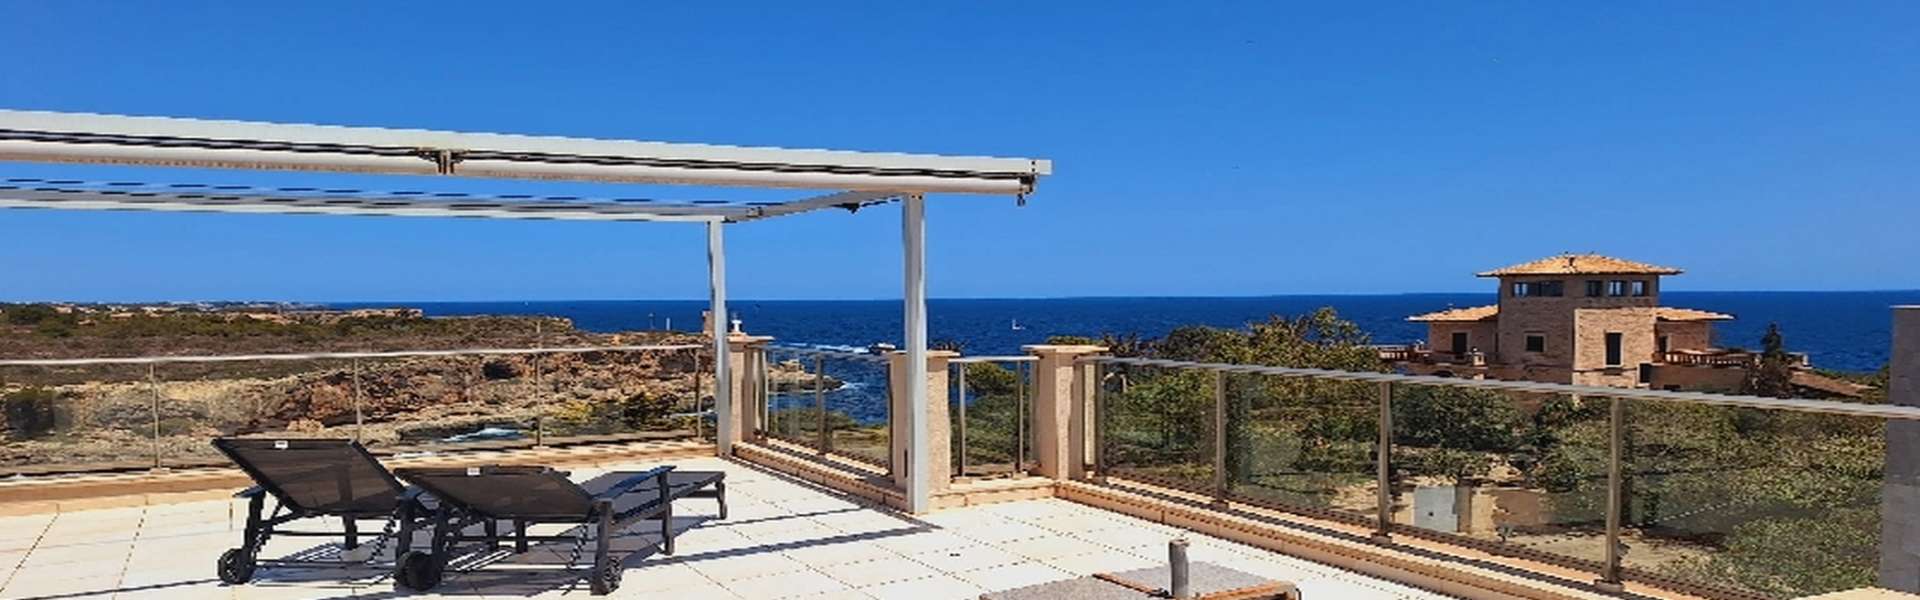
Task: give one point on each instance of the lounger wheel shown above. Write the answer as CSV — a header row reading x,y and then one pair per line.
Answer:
x,y
236,566
418,571
606,579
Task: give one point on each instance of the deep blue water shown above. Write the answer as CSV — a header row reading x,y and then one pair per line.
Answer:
x,y
1840,330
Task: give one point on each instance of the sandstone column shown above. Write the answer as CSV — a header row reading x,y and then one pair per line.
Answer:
x,y
939,426
742,349
1900,486
1061,409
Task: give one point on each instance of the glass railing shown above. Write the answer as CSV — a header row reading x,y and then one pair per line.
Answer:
x,y
833,402
991,410
1712,495
116,414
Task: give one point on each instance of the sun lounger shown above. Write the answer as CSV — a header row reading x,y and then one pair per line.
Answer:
x,y
522,496
308,479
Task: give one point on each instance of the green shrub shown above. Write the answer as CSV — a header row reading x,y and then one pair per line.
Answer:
x,y
30,413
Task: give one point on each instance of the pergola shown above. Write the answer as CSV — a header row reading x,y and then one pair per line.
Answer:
x,y
851,180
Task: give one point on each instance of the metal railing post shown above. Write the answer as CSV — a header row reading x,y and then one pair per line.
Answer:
x,y
1100,399
1383,467
960,380
1023,377
1219,438
153,384
699,406
540,399
763,386
540,396
820,402
359,419
1616,441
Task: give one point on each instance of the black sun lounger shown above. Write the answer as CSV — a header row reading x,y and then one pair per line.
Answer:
x,y
530,495
314,478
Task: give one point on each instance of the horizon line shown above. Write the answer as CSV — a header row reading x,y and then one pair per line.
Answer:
x,y
1494,293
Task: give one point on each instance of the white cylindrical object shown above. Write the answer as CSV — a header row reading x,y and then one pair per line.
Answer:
x,y
913,229
717,297
1179,583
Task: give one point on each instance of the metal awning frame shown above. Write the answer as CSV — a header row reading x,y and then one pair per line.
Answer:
x,y
857,180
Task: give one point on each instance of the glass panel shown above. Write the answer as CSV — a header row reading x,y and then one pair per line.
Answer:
x,y
1771,502
792,383
1525,472
994,398
62,419
1303,443
859,408
1159,426
612,395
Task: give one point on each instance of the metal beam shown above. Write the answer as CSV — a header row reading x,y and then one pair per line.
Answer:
x,y
913,229
851,200
114,139
717,307
221,199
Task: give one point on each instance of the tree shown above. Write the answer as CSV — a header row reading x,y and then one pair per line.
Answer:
x,y
1773,376
29,413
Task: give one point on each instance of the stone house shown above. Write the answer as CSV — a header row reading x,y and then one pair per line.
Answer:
x,y
1587,319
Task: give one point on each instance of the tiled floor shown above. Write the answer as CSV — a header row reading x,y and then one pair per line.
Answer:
x,y
782,539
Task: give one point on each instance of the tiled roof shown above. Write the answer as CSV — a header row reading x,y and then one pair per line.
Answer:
x,y
1830,385
1668,313
1471,313
1492,311
1581,264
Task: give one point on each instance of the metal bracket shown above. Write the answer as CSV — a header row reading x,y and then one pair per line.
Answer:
x,y
443,159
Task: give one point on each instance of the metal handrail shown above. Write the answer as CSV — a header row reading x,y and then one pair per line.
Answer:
x,y
1793,404
967,360
826,353
151,360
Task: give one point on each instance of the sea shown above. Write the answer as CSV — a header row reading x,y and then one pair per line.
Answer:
x,y
1844,331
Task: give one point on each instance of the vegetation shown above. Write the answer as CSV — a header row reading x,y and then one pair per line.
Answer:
x,y
29,413
1780,504
1773,378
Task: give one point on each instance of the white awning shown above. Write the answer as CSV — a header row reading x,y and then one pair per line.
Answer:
x,y
156,141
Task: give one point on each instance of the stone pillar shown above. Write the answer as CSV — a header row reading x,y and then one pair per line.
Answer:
x,y
742,350
1061,409
1900,486
939,442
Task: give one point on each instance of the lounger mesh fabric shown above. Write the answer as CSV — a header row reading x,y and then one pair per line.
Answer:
x,y
322,476
508,492
680,483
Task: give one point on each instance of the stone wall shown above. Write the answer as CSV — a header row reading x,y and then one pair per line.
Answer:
x,y
1554,318
1699,378
1686,335
1591,326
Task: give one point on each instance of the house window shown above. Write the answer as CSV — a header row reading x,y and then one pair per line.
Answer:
x,y
1459,342
1536,342
1596,288
1639,287
1664,343
1529,289
1617,287
1613,349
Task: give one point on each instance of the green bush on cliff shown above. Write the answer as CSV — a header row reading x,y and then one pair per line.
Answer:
x,y
30,413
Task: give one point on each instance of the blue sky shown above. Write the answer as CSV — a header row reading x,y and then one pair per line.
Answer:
x,y
1200,149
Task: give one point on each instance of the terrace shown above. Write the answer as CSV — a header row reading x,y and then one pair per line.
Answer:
x,y
938,475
